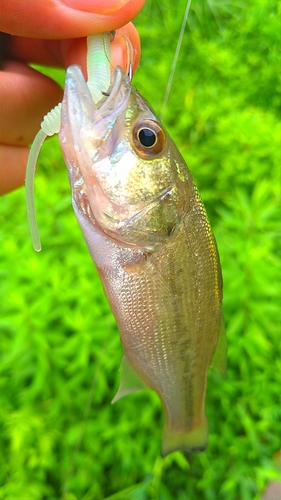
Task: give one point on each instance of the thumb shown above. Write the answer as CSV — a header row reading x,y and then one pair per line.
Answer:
x,y
58,19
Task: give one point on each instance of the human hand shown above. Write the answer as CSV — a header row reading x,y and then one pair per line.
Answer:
x,y
49,33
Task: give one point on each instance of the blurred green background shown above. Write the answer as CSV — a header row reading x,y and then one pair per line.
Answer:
x,y
59,346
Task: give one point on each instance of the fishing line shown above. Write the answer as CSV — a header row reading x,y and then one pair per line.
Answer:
x,y
175,60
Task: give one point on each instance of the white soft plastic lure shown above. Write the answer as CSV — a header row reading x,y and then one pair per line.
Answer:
x,y
98,68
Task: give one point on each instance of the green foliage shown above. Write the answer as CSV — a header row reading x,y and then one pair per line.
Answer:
x,y
59,347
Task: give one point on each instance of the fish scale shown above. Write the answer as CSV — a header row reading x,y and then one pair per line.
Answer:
x,y
152,314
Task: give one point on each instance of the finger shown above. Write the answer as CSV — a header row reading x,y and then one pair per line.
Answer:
x,y
12,167
119,50
26,96
63,53
57,19
76,52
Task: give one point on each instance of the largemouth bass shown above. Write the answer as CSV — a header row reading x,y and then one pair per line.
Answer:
x,y
150,239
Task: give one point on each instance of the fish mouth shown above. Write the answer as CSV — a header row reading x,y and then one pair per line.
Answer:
x,y
116,97
87,125
81,116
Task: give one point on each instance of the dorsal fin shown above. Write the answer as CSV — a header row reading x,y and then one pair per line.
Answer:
x,y
219,361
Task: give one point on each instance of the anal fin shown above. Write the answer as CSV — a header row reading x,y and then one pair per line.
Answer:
x,y
130,381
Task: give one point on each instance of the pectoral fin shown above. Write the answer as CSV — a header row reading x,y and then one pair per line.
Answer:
x,y
219,361
130,381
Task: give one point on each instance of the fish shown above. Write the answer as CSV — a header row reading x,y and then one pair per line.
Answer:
x,y
147,231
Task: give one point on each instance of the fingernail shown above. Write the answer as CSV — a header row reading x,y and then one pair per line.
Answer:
x,y
121,52
118,53
97,6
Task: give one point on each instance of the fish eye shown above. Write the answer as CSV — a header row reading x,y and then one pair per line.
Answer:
x,y
148,138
